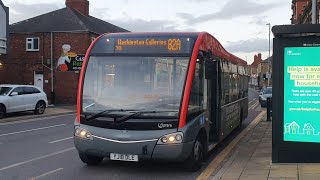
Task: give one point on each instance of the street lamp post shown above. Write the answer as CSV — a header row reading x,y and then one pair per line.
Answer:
x,y
269,75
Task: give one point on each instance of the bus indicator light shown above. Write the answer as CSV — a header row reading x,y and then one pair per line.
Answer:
x,y
164,139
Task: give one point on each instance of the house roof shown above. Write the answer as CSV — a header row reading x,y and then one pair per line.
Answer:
x,y
294,123
308,126
269,59
64,20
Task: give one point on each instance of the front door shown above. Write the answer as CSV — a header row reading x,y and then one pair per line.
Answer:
x,y
38,80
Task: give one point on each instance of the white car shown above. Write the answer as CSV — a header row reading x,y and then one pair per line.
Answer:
x,y
16,98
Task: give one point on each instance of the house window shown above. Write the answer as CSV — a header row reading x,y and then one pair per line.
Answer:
x,y
32,44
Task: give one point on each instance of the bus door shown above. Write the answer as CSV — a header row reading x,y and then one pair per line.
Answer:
x,y
212,77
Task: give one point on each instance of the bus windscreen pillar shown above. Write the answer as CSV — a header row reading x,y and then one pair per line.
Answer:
x,y
296,94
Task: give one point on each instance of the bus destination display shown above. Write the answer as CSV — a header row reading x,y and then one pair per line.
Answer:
x,y
152,45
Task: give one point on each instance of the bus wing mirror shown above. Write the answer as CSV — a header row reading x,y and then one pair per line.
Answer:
x,y
200,55
210,68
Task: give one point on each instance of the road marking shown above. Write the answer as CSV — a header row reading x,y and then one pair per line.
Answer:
x,y
223,154
252,107
29,130
31,120
60,140
38,158
46,174
256,103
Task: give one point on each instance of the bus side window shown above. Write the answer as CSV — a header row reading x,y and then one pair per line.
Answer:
x,y
226,88
196,100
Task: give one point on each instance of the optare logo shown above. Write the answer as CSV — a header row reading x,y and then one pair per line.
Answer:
x,y
163,125
289,52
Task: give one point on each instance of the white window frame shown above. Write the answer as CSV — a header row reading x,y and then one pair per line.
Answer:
x,y
32,44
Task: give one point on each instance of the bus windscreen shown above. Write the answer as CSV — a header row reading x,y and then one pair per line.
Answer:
x,y
144,45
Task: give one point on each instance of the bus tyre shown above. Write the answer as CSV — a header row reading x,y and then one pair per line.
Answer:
x,y
194,162
90,160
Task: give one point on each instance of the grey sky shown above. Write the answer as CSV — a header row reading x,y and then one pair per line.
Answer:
x,y
239,25
232,9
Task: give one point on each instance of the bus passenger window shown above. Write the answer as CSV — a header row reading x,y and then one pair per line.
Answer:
x,y
226,88
196,100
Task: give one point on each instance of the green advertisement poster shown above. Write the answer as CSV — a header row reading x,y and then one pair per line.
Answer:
x,y
302,94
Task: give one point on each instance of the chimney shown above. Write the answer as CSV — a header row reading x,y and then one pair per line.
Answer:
x,y
259,57
82,6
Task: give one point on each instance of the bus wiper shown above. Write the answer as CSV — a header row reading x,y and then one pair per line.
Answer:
x,y
107,111
127,117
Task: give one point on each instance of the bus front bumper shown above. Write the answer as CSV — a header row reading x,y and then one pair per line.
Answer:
x,y
145,150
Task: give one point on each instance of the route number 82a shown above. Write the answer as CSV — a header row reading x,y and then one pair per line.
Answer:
x,y
174,44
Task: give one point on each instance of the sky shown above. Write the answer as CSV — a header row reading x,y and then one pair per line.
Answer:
x,y
239,25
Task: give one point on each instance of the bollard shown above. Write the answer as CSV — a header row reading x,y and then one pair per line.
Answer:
x,y
269,108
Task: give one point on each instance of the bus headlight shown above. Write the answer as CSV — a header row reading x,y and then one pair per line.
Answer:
x,y
173,138
82,133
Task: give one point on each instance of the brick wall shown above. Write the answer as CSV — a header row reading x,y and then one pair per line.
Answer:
x,y
19,66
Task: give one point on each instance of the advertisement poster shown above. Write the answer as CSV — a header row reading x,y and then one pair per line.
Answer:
x,y
302,94
69,61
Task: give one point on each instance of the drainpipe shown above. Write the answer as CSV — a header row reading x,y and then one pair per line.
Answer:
x,y
51,62
314,11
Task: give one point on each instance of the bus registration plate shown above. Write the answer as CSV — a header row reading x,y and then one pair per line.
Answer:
x,y
123,157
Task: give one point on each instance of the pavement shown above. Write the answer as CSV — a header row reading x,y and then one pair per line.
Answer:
x,y
51,110
251,159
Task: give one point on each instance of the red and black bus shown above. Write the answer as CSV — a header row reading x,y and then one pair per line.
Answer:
x,y
158,96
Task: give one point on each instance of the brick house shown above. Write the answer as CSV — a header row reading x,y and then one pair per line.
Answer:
x,y
48,50
254,73
298,7
302,12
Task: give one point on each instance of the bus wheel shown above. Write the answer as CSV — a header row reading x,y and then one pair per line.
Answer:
x,y
90,160
194,162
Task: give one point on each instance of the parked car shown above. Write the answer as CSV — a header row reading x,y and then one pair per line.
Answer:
x,y
264,94
16,98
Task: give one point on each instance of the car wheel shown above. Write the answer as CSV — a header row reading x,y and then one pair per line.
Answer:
x,y
90,160
40,107
194,162
2,111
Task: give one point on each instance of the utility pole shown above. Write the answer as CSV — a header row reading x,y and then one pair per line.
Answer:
x,y
269,56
